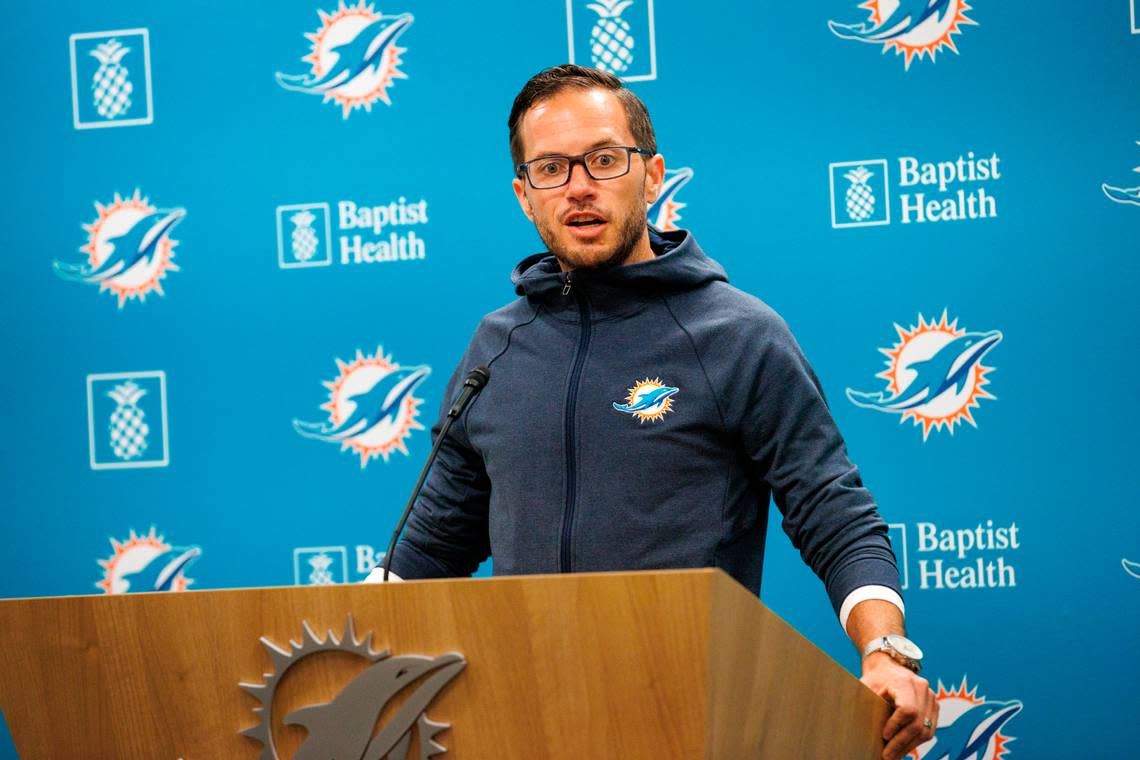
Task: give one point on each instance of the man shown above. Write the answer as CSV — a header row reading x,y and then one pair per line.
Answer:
x,y
642,411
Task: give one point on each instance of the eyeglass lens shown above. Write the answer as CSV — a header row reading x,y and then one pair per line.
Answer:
x,y
604,163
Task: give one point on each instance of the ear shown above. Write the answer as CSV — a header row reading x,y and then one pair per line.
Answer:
x,y
654,176
519,186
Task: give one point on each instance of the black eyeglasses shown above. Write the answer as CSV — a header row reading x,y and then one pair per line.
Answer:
x,y
549,172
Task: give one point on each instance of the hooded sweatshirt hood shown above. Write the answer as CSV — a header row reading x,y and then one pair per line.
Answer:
x,y
679,265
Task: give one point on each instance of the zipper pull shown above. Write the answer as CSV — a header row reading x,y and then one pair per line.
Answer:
x,y
566,290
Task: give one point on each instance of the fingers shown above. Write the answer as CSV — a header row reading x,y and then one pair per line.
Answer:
x,y
904,715
905,729
936,710
904,741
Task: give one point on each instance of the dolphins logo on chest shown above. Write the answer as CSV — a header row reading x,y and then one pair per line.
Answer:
x,y
648,400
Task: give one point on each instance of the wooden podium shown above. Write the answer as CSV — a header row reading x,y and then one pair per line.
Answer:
x,y
677,664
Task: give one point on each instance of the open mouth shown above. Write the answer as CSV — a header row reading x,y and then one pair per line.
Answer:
x,y
584,220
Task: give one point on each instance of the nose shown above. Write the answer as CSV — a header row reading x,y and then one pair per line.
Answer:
x,y
581,184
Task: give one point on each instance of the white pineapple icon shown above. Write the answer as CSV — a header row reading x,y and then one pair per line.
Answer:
x,y
110,87
611,44
860,198
128,423
320,575
304,239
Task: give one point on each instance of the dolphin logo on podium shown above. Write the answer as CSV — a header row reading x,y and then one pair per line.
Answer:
x,y
344,726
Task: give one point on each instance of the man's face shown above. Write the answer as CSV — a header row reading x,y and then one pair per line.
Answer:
x,y
587,222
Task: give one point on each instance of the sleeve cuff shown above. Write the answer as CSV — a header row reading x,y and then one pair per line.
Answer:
x,y
862,594
411,564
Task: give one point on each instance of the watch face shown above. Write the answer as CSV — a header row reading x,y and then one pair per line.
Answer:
x,y
904,646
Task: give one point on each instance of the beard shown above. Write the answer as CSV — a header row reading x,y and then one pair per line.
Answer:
x,y
630,229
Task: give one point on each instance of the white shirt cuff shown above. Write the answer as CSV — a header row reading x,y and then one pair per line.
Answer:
x,y
377,576
862,594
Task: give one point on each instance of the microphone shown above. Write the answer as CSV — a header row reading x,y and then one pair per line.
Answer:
x,y
474,383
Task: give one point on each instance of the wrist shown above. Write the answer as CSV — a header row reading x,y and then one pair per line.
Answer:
x,y
879,660
896,647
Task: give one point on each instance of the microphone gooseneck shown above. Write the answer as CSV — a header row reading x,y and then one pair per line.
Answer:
x,y
476,379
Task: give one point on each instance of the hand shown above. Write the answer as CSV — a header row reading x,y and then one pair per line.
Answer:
x,y
911,698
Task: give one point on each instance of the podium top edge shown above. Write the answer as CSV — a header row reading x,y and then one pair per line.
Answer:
x,y
499,579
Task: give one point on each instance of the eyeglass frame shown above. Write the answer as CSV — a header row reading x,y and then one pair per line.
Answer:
x,y
523,169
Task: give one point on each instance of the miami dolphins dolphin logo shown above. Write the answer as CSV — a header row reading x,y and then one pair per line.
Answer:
x,y
1129,195
343,727
969,726
934,375
129,249
371,407
664,212
354,57
912,28
146,563
648,400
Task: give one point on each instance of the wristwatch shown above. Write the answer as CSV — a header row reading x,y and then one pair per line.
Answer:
x,y
901,649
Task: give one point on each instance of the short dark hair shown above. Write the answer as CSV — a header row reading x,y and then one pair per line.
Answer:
x,y
550,82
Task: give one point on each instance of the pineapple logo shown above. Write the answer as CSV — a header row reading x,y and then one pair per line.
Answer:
x,y
128,423
611,44
859,193
106,71
371,407
127,420
934,375
303,236
320,565
912,28
304,239
110,87
320,576
620,39
860,198
664,213
146,563
354,58
129,248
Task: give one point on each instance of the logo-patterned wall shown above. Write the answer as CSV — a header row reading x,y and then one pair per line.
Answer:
x,y
246,246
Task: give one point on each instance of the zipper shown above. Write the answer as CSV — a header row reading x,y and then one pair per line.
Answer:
x,y
566,564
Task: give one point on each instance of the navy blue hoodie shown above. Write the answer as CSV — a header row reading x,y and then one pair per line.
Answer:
x,y
557,467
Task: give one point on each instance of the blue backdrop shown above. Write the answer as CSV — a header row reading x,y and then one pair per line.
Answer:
x,y
203,255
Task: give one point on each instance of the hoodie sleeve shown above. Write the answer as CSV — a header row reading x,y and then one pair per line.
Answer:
x,y
795,447
446,535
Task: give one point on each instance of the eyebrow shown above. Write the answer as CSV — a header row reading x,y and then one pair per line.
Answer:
x,y
604,143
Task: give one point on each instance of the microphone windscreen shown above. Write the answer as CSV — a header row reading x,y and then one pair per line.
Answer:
x,y
479,376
